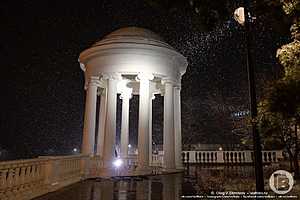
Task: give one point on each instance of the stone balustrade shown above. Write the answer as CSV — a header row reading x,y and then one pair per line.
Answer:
x,y
26,179
18,177
228,157
157,159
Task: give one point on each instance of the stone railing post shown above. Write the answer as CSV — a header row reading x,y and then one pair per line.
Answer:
x,y
85,166
279,155
248,158
49,175
220,158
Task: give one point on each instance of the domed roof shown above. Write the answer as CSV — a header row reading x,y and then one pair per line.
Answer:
x,y
133,35
130,51
134,32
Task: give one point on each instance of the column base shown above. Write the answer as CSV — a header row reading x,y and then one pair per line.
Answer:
x,y
115,172
143,170
124,171
180,167
171,170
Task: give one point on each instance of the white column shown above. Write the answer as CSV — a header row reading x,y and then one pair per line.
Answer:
x,y
177,127
88,139
152,97
101,123
169,140
110,122
143,132
125,96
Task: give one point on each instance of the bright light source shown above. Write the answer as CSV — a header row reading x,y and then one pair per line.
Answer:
x,y
220,149
129,145
239,15
118,162
75,150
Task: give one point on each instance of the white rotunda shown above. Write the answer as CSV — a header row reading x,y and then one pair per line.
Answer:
x,y
132,61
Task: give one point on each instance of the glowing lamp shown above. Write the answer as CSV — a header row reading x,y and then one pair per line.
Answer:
x,y
117,163
239,15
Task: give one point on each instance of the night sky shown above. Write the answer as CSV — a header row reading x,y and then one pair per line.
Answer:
x,y
42,83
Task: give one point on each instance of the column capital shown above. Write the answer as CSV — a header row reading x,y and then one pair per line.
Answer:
x,y
93,81
177,86
111,76
145,76
168,80
152,96
82,66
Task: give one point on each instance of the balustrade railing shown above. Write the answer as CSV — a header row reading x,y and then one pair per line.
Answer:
x,y
26,179
228,157
17,177
157,159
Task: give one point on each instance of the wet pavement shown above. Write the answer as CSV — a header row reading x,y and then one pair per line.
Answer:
x,y
196,180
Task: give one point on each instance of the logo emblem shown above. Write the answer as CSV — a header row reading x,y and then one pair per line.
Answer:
x,y
281,182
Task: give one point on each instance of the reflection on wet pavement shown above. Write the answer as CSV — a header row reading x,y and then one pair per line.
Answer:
x,y
166,187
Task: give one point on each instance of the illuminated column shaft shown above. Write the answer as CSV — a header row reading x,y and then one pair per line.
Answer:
x,y
101,125
110,122
89,128
125,124
143,134
177,127
168,144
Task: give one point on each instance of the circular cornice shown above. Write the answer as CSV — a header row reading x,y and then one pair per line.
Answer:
x,y
132,50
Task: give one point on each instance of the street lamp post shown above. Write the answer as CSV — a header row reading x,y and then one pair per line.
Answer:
x,y
253,104
245,18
